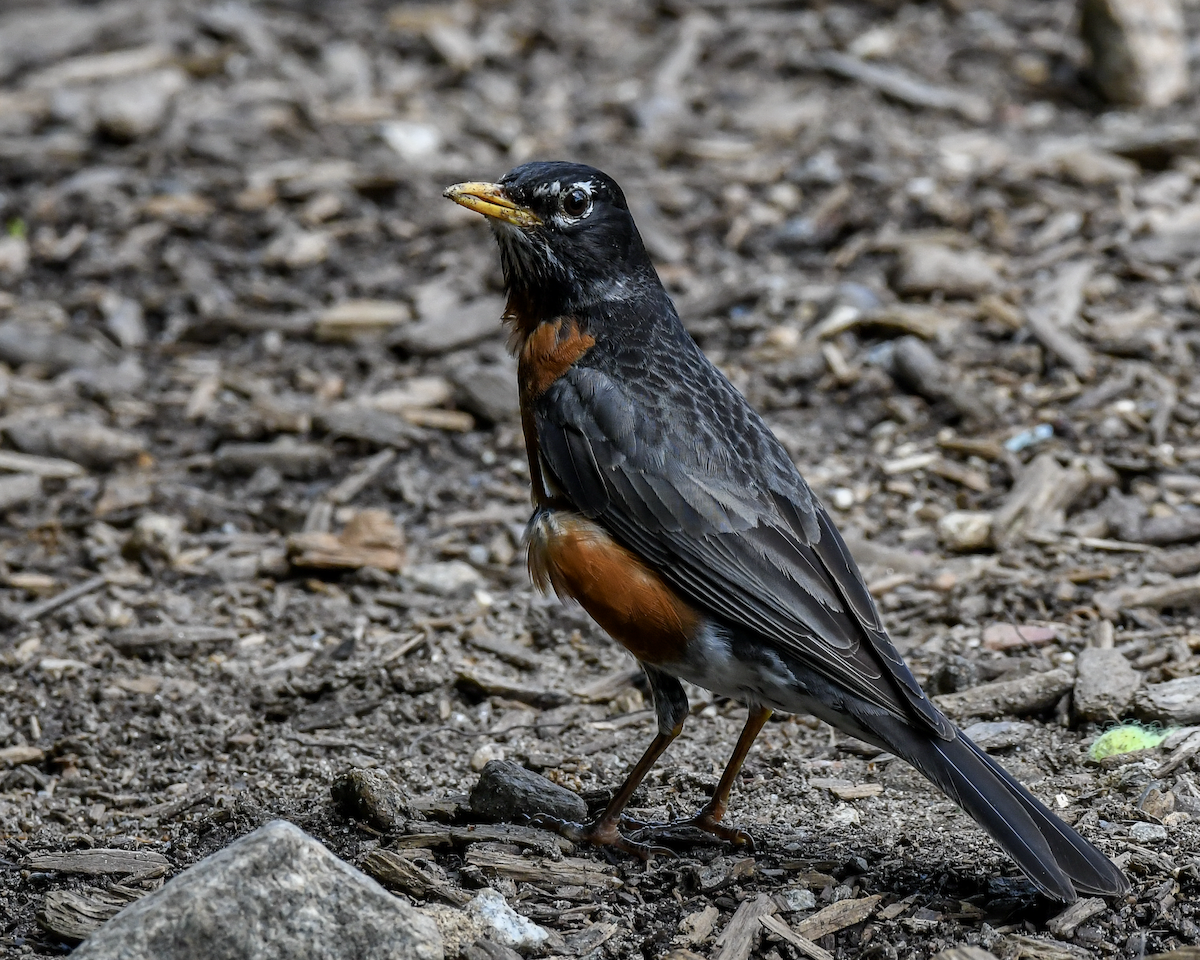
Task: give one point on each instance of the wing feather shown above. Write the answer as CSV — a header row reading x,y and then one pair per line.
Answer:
x,y
758,553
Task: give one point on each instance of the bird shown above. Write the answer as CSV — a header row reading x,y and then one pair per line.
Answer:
x,y
665,506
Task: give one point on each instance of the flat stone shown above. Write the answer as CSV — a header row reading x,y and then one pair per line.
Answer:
x,y
276,893
1147,833
489,391
507,791
453,328
1105,684
930,267
1176,701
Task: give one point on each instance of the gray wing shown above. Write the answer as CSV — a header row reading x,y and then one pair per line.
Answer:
x,y
732,526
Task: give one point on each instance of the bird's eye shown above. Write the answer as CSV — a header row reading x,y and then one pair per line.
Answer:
x,y
576,203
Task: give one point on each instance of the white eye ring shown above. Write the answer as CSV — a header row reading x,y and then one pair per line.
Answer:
x,y
576,203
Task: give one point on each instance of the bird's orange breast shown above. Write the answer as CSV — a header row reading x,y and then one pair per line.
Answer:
x,y
545,352
621,593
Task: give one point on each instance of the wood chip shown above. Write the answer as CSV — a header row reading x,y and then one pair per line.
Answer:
x,y
845,790
506,650
363,474
48,467
178,636
1055,306
1026,695
494,686
399,873
837,916
806,947
904,86
13,756
526,869
1180,755
76,914
1182,592
742,933
370,539
138,864
1011,636
1067,922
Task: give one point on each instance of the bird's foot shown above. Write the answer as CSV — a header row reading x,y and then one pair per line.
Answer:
x,y
704,820
599,833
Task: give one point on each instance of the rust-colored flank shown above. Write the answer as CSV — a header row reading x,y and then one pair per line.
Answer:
x,y
629,600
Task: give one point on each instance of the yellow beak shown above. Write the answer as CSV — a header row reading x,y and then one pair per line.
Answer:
x,y
491,200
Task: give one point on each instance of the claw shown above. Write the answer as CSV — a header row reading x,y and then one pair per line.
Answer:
x,y
599,833
703,821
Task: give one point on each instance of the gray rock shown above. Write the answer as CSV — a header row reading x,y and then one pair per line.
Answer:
x,y
930,267
135,107
489,391
1147,833
507,791
1176,701
372,797
1105,684
276,893
1139,49
451,329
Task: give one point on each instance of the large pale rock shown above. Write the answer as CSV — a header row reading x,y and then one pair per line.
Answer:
x,y
276,893
1139,49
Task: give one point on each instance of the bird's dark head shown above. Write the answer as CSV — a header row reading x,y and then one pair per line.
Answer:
x,y
567,239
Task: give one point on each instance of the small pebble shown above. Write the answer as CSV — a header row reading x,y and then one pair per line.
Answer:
x,y
485,755
372,797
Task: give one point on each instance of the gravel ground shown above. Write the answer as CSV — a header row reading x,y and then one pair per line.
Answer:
x,y
262,486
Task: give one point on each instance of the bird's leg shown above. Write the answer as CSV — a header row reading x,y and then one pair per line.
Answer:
x,y
708,817
671,706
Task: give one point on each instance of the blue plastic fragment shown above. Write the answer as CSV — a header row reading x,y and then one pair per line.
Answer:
x,y
1027,438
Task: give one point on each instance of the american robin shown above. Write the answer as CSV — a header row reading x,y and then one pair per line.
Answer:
x,y
665,506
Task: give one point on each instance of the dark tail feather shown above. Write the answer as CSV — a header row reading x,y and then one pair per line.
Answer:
x,y
1058,860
